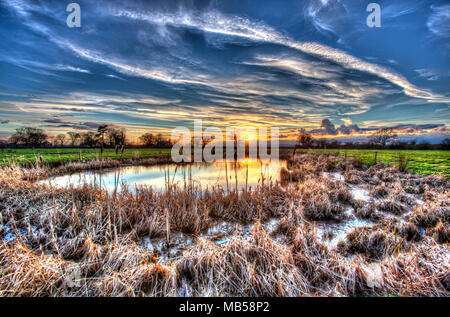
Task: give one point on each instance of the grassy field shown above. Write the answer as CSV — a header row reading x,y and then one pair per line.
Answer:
x,y
64,155
419,162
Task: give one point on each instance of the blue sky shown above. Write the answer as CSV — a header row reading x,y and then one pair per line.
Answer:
x,y
154,65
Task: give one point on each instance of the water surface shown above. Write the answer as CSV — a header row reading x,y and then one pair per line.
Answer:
x,y
240,175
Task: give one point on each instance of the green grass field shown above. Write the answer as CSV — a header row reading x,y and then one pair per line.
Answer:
x,y
60,155
419,162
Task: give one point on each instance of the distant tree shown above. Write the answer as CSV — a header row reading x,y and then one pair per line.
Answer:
x,y
60,138
159,140
148,139
35,136
304,140
333,144
53,141
321,143
74,136
117,138
28,136
122,139
382,136
101,131
445,144
88,139
423,145
16,139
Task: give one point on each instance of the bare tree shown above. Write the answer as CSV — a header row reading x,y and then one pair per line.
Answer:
x,y
74,136
123,139
60,138
148,139
28,136
382,136
321,143
101,131
89,139
303,139
117,138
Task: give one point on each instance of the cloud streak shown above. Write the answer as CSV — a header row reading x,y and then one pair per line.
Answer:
x,y
215,22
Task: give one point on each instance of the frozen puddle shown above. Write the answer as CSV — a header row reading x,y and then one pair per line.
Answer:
x,y
359,193
332,233
221,233
335,175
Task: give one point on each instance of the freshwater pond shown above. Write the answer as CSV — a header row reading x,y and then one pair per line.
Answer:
x,y
244,174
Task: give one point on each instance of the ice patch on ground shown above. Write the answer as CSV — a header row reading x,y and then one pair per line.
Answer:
x,y
359,193
333,233
220,233
335,175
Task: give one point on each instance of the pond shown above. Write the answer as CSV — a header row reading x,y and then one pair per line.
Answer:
x,y
243,174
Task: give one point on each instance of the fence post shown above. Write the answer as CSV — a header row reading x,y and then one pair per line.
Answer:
x,y
375,158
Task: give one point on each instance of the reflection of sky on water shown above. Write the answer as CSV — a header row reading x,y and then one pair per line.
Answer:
x,y
203,175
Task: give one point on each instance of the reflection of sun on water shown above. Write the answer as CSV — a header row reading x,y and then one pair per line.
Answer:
x,y
241,173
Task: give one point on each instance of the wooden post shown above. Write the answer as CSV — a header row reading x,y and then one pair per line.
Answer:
x,y
375,158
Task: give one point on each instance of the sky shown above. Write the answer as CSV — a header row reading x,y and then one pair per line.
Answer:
x,y
151,66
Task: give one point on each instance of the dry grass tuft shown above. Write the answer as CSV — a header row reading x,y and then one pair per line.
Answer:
x,y
373,243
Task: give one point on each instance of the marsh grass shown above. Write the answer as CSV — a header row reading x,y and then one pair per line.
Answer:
x,y
84,241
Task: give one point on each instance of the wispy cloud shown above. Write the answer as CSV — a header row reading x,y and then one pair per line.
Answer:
x,y
439,21
215,22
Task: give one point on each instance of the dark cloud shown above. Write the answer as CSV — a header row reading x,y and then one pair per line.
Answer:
x,y
350,129
60,123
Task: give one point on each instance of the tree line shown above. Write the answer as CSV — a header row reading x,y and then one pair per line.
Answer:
x,y
113,137
104,136
381,139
